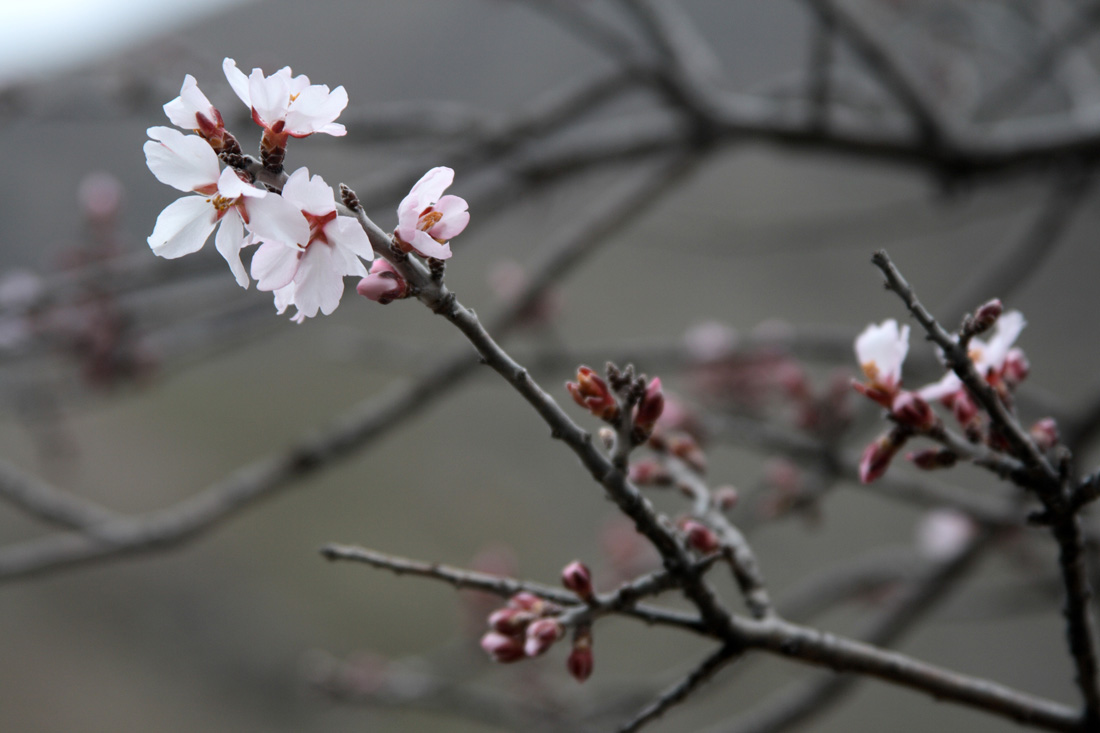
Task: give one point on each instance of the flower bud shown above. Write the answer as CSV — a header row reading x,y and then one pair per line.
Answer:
x,y
910,409
1045,433
592,393
510,621
577,578
607,437
579,663
648,473
541,635
963,407
877,456
649,409
699,536
526,601
726,497
501,648
986,316
688,451
384,284
1016,367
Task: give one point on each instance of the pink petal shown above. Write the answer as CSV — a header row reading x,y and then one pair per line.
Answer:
x,y
428,247
347,234
237,80
455,218
183,227
274,265
229,241
184,162
431,185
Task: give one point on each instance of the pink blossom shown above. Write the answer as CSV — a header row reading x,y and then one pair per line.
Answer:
x,y
426,219
191,110
944,533
989,358
309,272
288,105
187,163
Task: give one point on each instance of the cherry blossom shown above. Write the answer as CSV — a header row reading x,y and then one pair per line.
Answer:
x,y
989,357
426,219
187,163
881,350
191,110
286,105
309,272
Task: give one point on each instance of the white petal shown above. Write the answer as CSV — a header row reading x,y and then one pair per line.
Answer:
x,y
309,194
950,384
183,227
184,162
346,232
1008,329
432,184
314,108
274,219
237,80
319,283
183,109
881,351
229,241
274,265
270,96
428,247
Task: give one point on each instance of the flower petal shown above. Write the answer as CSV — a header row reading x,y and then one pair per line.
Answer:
x,y
428,247
274,265
312,195
274,219
319,283
315,109
184,162
432,184
270,96
237,80
346,233
455,217
229,241
183,227
183,109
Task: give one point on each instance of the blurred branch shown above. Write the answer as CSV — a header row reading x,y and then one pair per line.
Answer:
x,y
682,689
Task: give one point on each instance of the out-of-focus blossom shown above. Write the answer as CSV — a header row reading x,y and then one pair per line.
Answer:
x,y
310,274
427,220
943,533
187,163
880,351
988,357
592,393
286,105
709,341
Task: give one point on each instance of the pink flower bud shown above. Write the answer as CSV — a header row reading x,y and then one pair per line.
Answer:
x,y
384,284
510,621
911,410
593,394
1045,433
963,407
726,497
501,648
526,601
877,456
1016,367
649,408
699,536
688,451
648,473
577,578
541,635
986,316
579,663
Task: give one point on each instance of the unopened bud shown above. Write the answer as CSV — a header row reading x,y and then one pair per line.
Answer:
x,y
607,437
877,456
541,635
501,648
1045,433
699,536
577,578
986,316
933,458
384,284
688,451
592,393
1016,367
726,497
910,409
526,601
510,621
649,473
579,663
648,410
964,408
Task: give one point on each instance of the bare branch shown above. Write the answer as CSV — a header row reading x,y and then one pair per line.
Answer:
x,y
682,689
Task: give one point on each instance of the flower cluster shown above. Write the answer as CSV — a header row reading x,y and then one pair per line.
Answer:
x,y
881,350
306,247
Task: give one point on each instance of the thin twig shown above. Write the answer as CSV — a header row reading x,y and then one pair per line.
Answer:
x,y
682,689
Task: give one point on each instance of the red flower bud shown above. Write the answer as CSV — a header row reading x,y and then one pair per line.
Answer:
x,y
510,621
577,578
699,536
579,663
541,635
1045,433
986,316
592,393
526,601
649,409
502,648
877,456
910,409
933,458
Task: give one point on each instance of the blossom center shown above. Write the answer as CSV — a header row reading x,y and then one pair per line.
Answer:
x,y
428,219
317,225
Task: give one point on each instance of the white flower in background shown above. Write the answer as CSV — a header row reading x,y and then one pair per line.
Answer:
x,y
881,350
944,533
288,105
191,110
426,219
187,163
310,274
988,357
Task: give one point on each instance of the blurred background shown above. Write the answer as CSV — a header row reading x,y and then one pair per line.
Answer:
x,y
142,382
